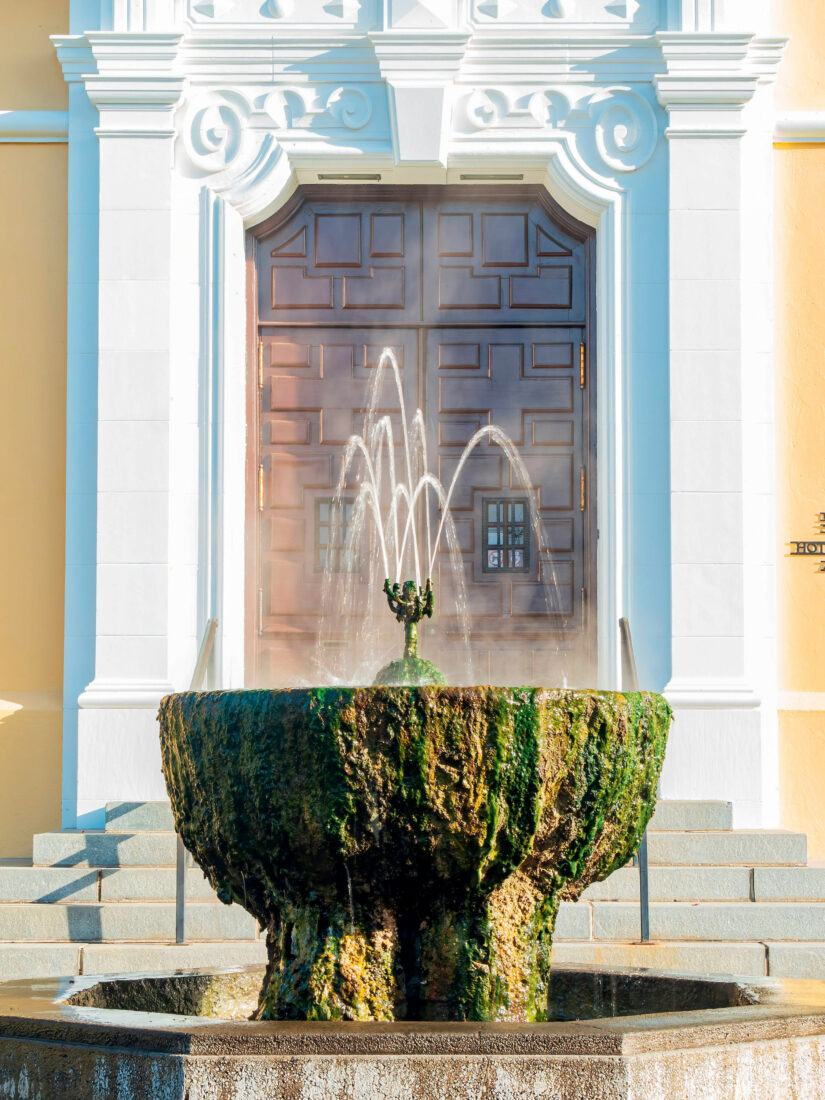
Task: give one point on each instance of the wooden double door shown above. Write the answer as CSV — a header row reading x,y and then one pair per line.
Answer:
x,y
486,297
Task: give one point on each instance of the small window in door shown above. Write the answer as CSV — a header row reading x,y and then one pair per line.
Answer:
x,y
333,523
505,535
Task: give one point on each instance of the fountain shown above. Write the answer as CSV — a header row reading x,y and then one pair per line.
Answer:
x,y
406,845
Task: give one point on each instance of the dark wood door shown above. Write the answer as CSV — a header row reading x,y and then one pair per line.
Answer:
x,y
486,298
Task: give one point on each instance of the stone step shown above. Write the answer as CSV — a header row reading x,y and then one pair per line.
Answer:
x,y
747,848
134,817
772,959
77,884
692,958
72,848
143,922
796,960
682,883
705,921
157,849
685,816
677,884
671,816
789,883
152,884
82,884
50,960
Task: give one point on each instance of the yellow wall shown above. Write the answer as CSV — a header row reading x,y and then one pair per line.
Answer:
x,y
32,430
800,332
30,76
801,85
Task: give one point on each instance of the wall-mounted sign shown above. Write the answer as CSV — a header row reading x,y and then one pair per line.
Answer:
x,y
811,549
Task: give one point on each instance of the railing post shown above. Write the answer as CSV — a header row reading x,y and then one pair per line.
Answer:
x,y
182,856
630,682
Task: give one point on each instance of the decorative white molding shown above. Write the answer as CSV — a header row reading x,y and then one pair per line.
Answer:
x,y
277,13
420,69
712,695
624,15
800,128
124,695
421,14
620,120
710,78
34,126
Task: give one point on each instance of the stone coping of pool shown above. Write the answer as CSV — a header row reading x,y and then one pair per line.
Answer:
x,y
719,1038
694,1010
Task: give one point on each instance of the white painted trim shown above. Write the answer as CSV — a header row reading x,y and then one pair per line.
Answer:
x,y
800,127
35,127
134,695
802,700
707,695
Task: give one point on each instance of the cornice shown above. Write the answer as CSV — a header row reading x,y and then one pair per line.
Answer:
x,y
527,59
711,73
116,53
75,56
411,55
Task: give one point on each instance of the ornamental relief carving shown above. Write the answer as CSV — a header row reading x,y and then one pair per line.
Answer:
x,y
331,12
578,11
220,128
430,14
617,122
227,130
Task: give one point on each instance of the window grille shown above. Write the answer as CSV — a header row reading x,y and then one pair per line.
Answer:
x,y
333,523
505,537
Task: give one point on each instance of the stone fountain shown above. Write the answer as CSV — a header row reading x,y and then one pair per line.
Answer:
x,y
406,845
406,848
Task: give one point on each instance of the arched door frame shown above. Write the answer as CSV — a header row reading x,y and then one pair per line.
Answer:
x,y
362,193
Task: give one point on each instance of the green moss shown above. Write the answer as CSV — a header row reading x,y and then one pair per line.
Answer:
x,y
409,672
406,849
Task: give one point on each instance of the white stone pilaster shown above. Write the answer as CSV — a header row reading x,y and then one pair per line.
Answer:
x,y
142,589
721,386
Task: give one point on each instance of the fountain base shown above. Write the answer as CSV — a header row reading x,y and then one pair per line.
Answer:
x,y
617,1035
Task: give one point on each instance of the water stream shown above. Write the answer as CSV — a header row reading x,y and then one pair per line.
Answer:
x,y
400,521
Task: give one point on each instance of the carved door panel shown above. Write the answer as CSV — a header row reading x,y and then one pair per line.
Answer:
x,y
496,261
342,261
528,602
315,381
487,300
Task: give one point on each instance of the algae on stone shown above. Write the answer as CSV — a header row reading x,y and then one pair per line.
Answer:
x,y
406,849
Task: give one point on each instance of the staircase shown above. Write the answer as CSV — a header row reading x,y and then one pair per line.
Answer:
x,y
722,901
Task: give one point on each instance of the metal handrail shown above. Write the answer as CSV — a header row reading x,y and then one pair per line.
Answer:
x,y
630,682
182,856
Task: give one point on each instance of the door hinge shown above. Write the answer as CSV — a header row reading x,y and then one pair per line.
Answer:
x,y
260,364
260,488
583,489
582,365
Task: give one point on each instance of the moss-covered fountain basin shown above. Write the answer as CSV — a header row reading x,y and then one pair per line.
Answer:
x,y
406,849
